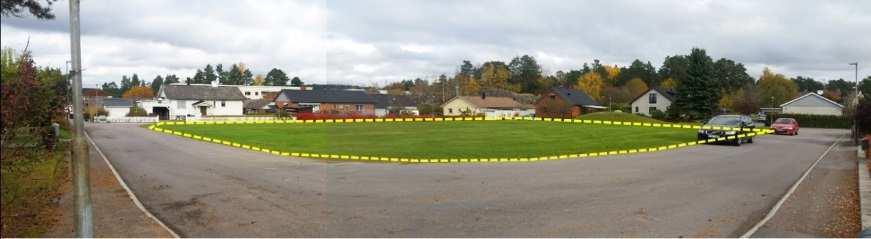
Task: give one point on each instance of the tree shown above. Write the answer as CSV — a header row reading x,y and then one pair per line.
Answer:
x,y
169,79
259,80
296,81
637,69
276,77
668,84
138,93
14,8
134,81
696,96
525,73
247,78
730,76
234,77
110,88
865,88
125,84
30,96
222,75
807,84
636,87
674,68
199,78
611,74
156,83
494,75
840,86
209,74
744,101
592,84
775,89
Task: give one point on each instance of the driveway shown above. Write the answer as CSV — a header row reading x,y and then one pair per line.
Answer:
x,y
208,190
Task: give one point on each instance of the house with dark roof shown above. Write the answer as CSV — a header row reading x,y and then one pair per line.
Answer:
x,y
654,99
195,101
490,106
565,103
326,101
395,104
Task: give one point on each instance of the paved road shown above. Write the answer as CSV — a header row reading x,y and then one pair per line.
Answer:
x,y
208,190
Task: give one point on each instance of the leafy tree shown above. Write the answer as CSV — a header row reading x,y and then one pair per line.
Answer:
x,y
841,86
169,79
467,68
13,8
126,84
674,68
30,96
296,81
235,76
744,101
592,84
110,88
730,76
774,89
807,84
696,96
259,80
668,84
138,93
277,77
865,87
247,77
494,75
156,83
134,80
199,78
137,111
636,87
611,74
640,70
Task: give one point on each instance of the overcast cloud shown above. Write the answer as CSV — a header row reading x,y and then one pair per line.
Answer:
x,y
375,42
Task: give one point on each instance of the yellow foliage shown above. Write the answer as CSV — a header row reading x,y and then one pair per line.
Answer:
x,y
668,84
592,84
493,76
259,79
636,87
138,92
611,73
776,87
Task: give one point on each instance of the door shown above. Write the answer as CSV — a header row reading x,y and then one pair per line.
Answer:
x,y
203,111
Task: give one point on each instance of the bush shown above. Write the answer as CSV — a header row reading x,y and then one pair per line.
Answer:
x,y
135,111
863,116
658,114
817,121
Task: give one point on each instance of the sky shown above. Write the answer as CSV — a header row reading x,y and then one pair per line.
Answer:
x,y
373,43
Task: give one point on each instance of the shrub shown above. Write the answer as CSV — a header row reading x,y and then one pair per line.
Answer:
x,y
136,111
863,116
817,121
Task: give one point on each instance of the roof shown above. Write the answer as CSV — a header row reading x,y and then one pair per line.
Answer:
x,y
665,93
326,96
256,104
115,102
383,101
812,95
93,92
202,92
575,97
494,102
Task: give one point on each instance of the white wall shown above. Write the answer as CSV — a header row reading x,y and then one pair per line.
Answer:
x,y
642,104
255,92
186,108
812,110
509,113
456,106
117,112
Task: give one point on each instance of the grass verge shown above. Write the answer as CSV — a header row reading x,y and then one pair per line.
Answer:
x,y
31,184
462,139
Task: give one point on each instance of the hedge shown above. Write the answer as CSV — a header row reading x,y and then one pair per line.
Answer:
x,y
817,121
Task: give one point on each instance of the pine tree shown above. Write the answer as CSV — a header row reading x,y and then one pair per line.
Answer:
x,y
697,96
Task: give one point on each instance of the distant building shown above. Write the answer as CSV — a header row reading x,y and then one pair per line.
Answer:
x,y
117,108
194,101
396,104
487,106
652,100
565,103
327,101
812,104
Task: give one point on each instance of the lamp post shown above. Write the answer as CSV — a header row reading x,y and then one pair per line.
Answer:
x,y
81,184
855,101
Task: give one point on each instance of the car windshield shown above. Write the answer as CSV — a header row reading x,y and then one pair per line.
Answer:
x,y
725,120
783,121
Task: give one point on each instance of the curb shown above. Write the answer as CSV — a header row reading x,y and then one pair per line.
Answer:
x,y
864,193
738,134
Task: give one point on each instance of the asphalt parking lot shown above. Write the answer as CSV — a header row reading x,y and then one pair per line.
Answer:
x,y
209,190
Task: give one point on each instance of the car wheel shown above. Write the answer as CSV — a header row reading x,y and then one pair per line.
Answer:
x,y
737,142
750,140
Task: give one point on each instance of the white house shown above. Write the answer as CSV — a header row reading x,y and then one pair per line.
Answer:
x,y
255,92
812,104
117,108
195,101
487,105
652,100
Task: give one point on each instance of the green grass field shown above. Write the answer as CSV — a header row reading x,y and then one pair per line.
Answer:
x,y
461,139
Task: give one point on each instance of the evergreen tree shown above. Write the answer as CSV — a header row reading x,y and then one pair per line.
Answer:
x,y
525,73
276,77
296,81
235,76
697,96
807,84
156,83
209,74
730,76
134,81
247,77
169,79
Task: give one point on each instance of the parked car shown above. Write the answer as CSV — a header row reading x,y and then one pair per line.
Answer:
x,y
741,122
787,126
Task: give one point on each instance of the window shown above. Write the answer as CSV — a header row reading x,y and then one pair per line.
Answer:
x,y
247,92
636,109
181,105
359,108
223,103
651,110
651,98
257,93
450,111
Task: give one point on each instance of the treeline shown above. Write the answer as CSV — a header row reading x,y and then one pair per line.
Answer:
x,y
701,85
239,74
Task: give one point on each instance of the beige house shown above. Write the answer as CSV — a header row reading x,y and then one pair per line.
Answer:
x,y
487,106
650,101
812,104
